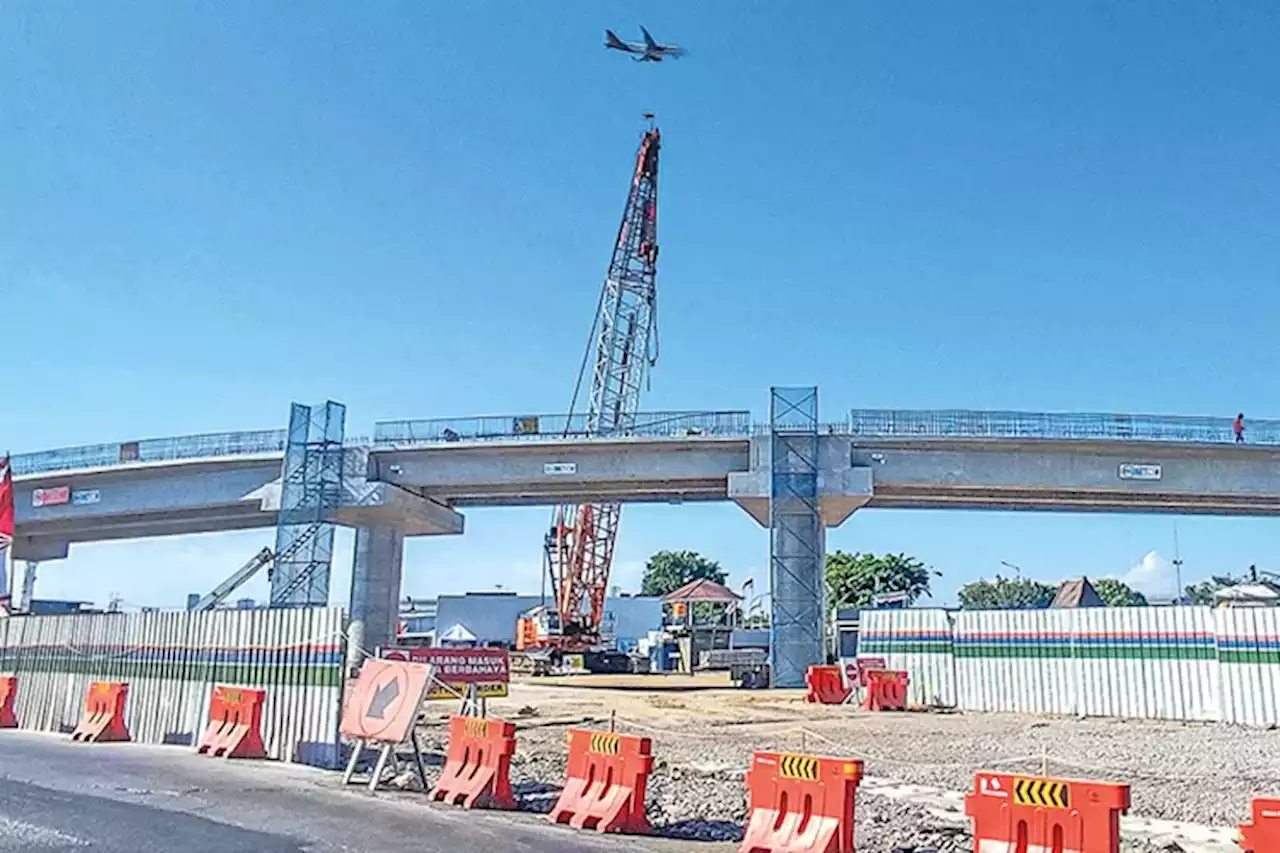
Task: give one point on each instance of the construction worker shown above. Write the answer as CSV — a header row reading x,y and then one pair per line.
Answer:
x,y
1238,428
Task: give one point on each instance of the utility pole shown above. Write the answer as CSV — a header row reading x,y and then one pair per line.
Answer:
x,y
1177,564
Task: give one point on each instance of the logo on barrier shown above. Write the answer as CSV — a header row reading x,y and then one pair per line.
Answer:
x,y
477,727
798,767
1041,792
604,744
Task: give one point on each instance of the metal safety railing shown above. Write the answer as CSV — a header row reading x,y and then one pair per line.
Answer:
x,y
550,427
150,450
964,423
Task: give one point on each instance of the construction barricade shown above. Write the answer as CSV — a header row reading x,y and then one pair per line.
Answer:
x,y
605,781
8,693
103,719
1261,833
800,804
826,685
477,764
235,724
1018,813
886,690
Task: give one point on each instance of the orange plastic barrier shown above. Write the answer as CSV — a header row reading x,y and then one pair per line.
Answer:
x,y
800,804
605,782
477,764
235,724
1261,833
1062,815
826,685
8,692
103,718
886,690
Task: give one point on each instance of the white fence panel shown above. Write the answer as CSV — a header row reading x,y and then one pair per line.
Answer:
x,y
918,641
171,661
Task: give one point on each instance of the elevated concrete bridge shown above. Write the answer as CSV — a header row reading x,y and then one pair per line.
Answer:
x,y
413,476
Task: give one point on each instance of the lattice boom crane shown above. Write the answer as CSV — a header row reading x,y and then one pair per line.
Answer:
x,y
579,546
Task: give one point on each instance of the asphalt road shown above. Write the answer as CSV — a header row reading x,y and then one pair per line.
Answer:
x,y
58,797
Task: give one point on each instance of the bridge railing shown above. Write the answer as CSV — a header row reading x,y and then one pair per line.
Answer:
x,y
550,427
963,423
150,450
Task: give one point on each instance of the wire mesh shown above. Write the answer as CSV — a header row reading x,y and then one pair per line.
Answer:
x,y
203,446
964,423
550,427
796,536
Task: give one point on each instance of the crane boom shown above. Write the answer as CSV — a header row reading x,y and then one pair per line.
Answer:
x,y
624,338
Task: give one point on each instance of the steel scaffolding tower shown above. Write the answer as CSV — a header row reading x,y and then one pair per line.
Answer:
x,y
797,543
311,489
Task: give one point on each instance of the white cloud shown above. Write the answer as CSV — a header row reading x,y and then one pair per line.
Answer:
x,y
1154,576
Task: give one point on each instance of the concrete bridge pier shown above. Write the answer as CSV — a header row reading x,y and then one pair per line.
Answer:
x,y
799,484
25,556
376,574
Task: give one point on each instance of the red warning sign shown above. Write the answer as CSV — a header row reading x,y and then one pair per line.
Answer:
x,y
383,705
488,669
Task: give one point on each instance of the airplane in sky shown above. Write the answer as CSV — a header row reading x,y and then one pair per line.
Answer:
x,y
646,51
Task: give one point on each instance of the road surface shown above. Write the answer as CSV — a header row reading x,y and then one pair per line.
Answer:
x,y
60,797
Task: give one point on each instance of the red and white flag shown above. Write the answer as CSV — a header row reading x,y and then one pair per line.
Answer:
x,y
6,504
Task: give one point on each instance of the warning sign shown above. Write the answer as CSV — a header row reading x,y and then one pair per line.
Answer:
x,y
383,704
455,669
1041,792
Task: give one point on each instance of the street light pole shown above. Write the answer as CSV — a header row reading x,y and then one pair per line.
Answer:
x,y
1016,569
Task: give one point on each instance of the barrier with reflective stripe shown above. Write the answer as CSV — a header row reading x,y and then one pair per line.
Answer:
x,y
235,724
103,718
1031,814
800,803
1261,832
477,764
8,693
826,685
886,690
605,782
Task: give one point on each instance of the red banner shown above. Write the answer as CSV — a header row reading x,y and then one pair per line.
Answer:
x,y
6,504
460,666
56,496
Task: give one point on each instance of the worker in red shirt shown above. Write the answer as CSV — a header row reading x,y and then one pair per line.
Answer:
x,y
1238,428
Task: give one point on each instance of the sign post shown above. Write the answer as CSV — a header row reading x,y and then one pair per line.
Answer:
x,y
383,710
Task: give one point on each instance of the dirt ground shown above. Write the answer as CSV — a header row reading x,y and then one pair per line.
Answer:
x,y
1197,772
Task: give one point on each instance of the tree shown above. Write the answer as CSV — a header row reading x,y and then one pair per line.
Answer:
x,y
667,571
1006,594
1117,593
853,580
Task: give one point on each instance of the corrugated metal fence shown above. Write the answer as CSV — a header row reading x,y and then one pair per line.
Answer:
x,y
171,662
1173,663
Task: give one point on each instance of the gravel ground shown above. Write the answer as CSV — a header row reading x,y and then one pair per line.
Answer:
x,y
696,789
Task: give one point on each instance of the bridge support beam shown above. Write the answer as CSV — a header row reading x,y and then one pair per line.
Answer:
x,y
376,574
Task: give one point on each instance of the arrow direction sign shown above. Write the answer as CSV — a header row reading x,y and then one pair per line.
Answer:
x,y
386,695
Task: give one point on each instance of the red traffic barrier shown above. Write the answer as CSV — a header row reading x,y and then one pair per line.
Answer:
x,y
477,764
886,690
605,782
1261,833
800,804
8,692
826,685
235,724
103,718
1064,815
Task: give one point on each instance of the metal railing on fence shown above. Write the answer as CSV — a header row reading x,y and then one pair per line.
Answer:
x,y
550,427
964,423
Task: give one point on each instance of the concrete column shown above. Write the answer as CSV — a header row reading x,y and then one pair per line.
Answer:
x,y
376,573
24,584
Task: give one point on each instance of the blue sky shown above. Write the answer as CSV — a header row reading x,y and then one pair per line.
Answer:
x,y
207,211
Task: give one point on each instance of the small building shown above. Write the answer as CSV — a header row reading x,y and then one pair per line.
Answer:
x,y
491,616
704,615
1076,594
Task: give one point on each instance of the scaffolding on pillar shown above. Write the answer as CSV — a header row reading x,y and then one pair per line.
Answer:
x,y
311,489
796,536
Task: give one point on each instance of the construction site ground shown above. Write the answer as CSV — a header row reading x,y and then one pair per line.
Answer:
x,y
1191,782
